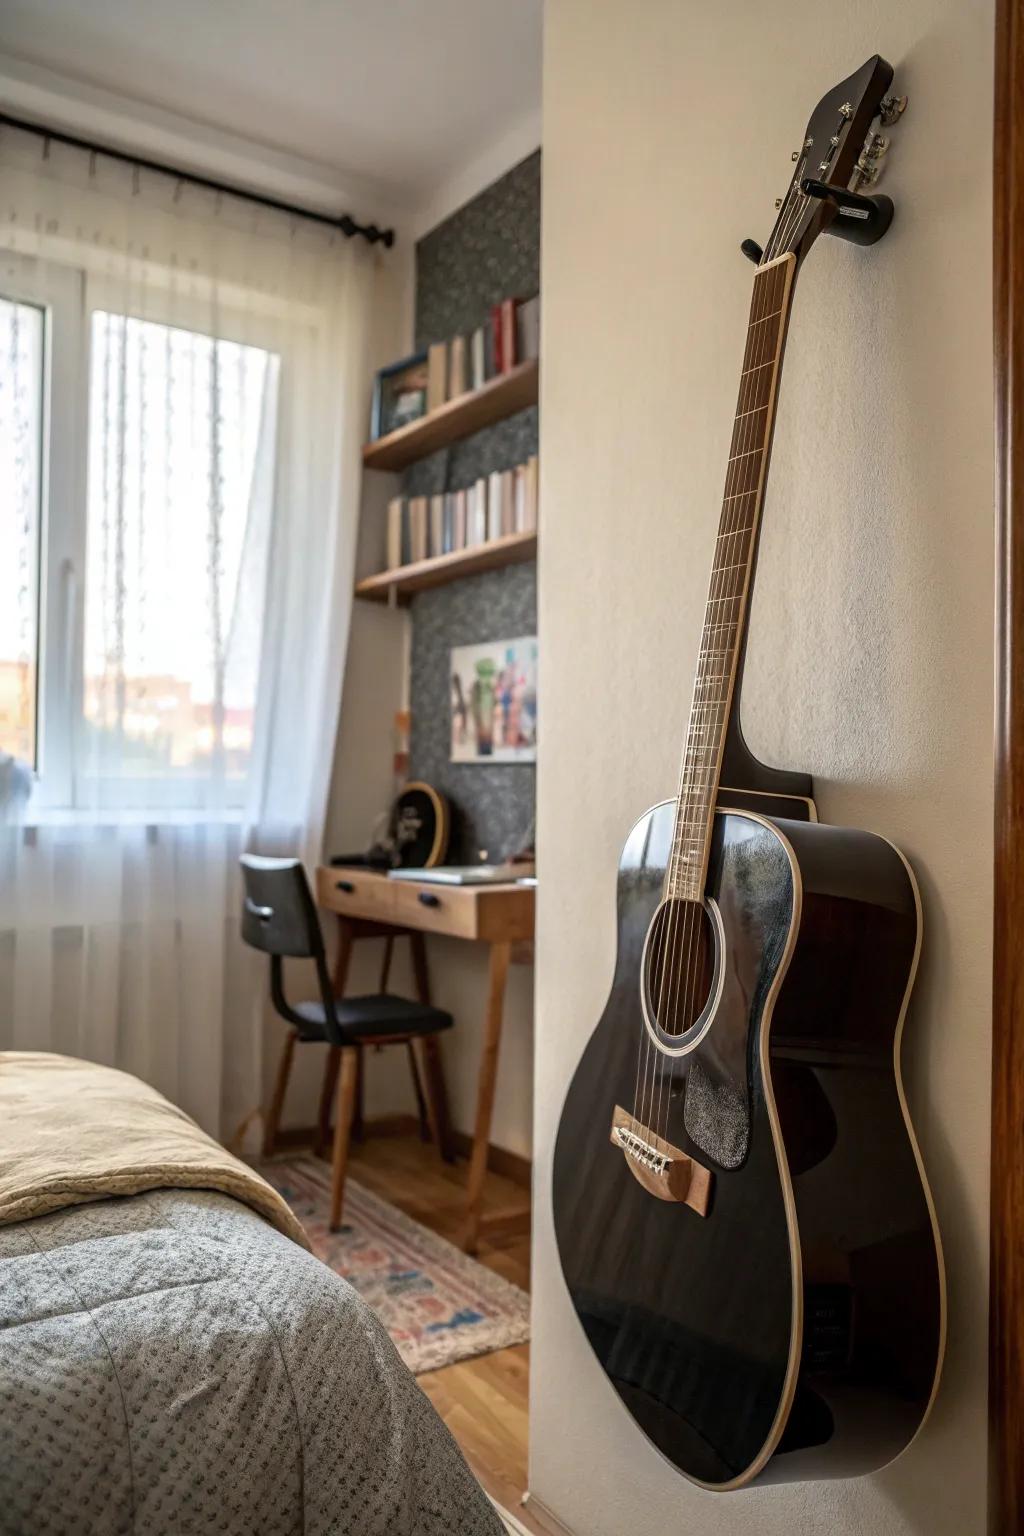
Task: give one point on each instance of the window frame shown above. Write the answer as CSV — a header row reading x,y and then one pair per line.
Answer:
x,y
69,296
58,291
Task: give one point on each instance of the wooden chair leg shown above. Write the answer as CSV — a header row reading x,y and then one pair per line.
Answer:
x,y
359,1114
272,1118
421,1103
418,945
437,1097
343,1130
327,1087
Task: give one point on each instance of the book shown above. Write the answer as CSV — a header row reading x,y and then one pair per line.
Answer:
x,y
437,375
532,493
418,527
479,513
457,384
519,499
497,334
448,523
507,505
459,523
508,335
528,329
406,558
490,368
394,533
477,359
436,525
494,504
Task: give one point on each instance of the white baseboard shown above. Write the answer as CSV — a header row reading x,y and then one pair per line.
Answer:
x,y
539,1514
543,1516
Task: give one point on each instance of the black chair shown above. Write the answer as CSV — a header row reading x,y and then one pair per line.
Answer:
x,y
280,918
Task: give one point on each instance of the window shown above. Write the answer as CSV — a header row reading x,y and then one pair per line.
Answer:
x,y
174,512
21,439
136,479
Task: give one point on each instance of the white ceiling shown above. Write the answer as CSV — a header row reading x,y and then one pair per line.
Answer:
x,y
396,97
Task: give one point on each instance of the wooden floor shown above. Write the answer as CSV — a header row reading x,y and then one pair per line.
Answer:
x,y
483,1401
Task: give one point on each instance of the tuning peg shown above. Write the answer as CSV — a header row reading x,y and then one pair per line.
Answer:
x,y
752,251
892,109
876,146
865,173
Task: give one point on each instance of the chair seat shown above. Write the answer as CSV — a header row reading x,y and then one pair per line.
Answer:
x,y
364,1018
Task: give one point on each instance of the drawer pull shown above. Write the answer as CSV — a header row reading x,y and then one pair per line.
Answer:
x,y
429,899
346,886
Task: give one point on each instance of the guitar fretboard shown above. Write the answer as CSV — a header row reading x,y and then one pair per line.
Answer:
x,y
728,595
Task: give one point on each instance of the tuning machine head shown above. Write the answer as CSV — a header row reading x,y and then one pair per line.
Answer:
x,y
892,109
869,163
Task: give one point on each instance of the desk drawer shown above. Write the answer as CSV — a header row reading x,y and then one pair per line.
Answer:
x,y
357,893
448,909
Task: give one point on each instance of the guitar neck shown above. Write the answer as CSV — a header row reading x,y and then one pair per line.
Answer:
x,y
732,576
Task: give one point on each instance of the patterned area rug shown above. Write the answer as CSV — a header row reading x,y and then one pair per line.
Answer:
x,y
437,1303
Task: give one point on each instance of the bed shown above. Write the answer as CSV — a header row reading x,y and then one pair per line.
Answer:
x,y
172,1358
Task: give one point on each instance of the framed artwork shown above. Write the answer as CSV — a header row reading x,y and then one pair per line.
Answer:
x,y
399,395
494,701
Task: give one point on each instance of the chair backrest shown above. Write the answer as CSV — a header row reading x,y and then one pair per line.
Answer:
x,y
279,917
278,914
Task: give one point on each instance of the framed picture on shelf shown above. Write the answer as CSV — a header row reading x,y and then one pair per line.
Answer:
x,y
399,395
494,701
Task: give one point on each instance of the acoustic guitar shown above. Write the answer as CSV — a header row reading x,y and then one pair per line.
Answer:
x,y
740,1206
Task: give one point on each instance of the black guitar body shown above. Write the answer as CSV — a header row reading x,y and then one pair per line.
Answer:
x,y
796,1329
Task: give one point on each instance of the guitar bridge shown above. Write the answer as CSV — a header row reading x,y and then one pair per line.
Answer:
x,y
662,1169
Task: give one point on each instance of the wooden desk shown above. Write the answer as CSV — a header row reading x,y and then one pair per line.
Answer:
x,y
369,904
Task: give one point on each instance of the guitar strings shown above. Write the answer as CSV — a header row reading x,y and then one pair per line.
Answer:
x,y
683,940
680,985
677,939
766,349
714,679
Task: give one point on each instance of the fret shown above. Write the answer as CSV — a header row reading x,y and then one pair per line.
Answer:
x,y
735,543
764,318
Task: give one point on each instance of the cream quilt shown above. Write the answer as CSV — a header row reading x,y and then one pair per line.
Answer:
x,y
71,1132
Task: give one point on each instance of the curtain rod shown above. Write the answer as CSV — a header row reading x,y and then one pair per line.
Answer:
x,y
344,222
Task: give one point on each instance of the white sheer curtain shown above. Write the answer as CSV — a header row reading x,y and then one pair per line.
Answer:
x,y
205,374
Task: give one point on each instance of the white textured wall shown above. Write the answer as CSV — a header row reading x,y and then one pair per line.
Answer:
x,y
667,131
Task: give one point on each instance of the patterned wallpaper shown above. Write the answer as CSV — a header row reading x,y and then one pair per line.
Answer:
x,y
488,250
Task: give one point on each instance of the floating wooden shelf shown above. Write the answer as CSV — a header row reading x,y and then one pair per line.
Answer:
x,y
493,401
407,579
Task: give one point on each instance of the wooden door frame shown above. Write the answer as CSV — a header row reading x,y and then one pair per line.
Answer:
x,y
1006,1314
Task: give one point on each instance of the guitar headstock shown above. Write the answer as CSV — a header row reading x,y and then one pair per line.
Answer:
x,y
841,151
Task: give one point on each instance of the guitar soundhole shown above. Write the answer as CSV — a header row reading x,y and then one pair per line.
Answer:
x,y
680,966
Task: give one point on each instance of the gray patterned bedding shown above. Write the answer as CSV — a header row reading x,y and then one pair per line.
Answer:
x,y
170,1363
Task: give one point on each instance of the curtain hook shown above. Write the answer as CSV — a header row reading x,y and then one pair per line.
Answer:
x,y
178,186
46,146
92,165
135,181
